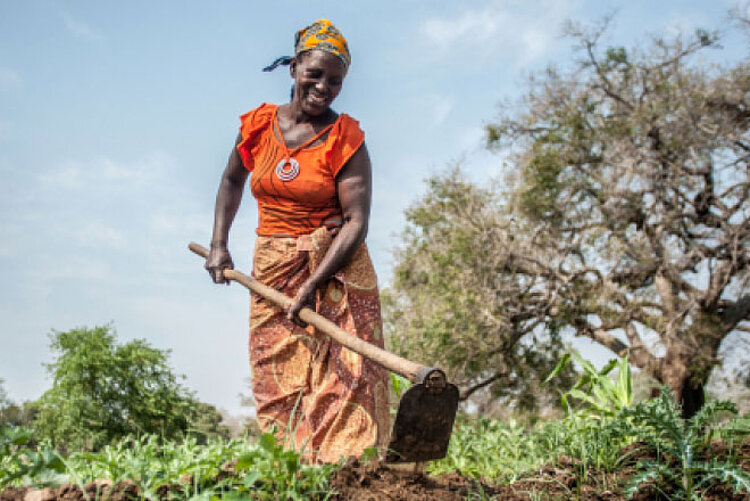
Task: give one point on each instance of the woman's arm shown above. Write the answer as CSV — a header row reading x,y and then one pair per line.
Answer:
x,y
227,202
354,189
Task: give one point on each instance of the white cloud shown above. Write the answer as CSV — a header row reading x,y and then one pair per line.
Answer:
x,y
103,171
440,111
80,29
49,268
66,177
99,235
472,28
176,224
436,108
497,30
9,79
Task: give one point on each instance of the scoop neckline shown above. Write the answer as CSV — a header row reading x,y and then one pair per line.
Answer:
x,y
275,123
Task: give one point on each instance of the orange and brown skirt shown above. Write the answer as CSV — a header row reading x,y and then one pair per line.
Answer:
x,y
323,399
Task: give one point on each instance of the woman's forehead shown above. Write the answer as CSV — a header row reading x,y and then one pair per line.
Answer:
x,y
321,58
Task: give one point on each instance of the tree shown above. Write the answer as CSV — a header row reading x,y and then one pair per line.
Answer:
x,y
451,302
626,219
13,414
103,390
4,400
206,423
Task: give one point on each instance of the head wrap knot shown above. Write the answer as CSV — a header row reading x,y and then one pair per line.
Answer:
x,y
321,35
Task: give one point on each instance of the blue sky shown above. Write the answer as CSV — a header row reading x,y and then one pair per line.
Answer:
x,y
116,119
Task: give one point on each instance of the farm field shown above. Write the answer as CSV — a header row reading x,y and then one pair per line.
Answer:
x,y
644,451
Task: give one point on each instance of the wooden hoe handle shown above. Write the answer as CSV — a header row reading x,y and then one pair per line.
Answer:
x,y
413,371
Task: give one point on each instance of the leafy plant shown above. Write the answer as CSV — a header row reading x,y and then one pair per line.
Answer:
x,y
680,470
271,472
603,396
226,469
487,448
400,384
20,462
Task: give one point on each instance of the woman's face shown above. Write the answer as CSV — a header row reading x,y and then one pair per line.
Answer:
x,y
318,76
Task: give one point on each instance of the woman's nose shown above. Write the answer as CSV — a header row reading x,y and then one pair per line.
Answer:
x,y
321,85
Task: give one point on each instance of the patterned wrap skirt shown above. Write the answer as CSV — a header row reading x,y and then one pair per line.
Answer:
x,y
321,398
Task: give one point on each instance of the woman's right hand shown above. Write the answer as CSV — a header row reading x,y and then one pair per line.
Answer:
x,y
219,260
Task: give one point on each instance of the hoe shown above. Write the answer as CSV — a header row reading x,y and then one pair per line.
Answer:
x,y
424,420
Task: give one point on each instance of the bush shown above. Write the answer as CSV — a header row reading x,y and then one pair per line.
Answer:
x,y
103,391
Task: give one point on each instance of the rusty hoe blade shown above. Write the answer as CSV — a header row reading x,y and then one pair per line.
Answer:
x,y
424,420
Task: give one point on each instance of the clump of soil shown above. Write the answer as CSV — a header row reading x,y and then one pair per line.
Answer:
x,y
101,489
358,481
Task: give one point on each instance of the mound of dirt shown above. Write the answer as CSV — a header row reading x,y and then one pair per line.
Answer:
x,y
101,489
358,481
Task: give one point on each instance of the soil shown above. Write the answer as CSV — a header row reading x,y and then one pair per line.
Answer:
x,y
374,482
358,481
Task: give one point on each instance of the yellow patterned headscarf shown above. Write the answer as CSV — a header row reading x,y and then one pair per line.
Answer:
x,y
323,35
320,35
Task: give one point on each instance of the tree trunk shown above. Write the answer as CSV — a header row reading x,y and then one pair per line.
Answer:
x,y
688,390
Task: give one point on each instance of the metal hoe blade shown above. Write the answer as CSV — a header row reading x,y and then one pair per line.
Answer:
x,y
424,420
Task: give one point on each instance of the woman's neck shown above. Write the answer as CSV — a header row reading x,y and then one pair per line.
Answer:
x,y
294,113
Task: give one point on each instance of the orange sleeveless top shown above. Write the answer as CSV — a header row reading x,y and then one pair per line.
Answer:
x,y
305,201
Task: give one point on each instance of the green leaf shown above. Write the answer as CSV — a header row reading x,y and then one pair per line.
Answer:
x,y
558,368
611,364
267,442
246,461
251,479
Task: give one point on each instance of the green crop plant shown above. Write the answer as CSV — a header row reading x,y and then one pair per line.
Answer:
x,y
594,442
489,449
601,396
271,472
150,462
594,429
20,462
682,469
217,469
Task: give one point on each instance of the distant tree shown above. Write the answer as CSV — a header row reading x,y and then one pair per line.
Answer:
x,y
626,220
206,423
4,400
13,414
102,390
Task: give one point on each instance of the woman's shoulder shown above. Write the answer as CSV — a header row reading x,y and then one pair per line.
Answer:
x,y
345,139
347,125
253,125
259,116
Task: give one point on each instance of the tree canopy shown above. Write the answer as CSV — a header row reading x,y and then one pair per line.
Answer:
x,y
453,304
625,219
102,390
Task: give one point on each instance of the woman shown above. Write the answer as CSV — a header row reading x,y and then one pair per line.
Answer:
x,y
311,176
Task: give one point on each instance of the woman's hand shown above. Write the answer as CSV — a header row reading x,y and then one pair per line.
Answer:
x,y
219,260
305,298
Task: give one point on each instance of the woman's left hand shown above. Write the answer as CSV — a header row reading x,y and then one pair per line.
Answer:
x,y
305,298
